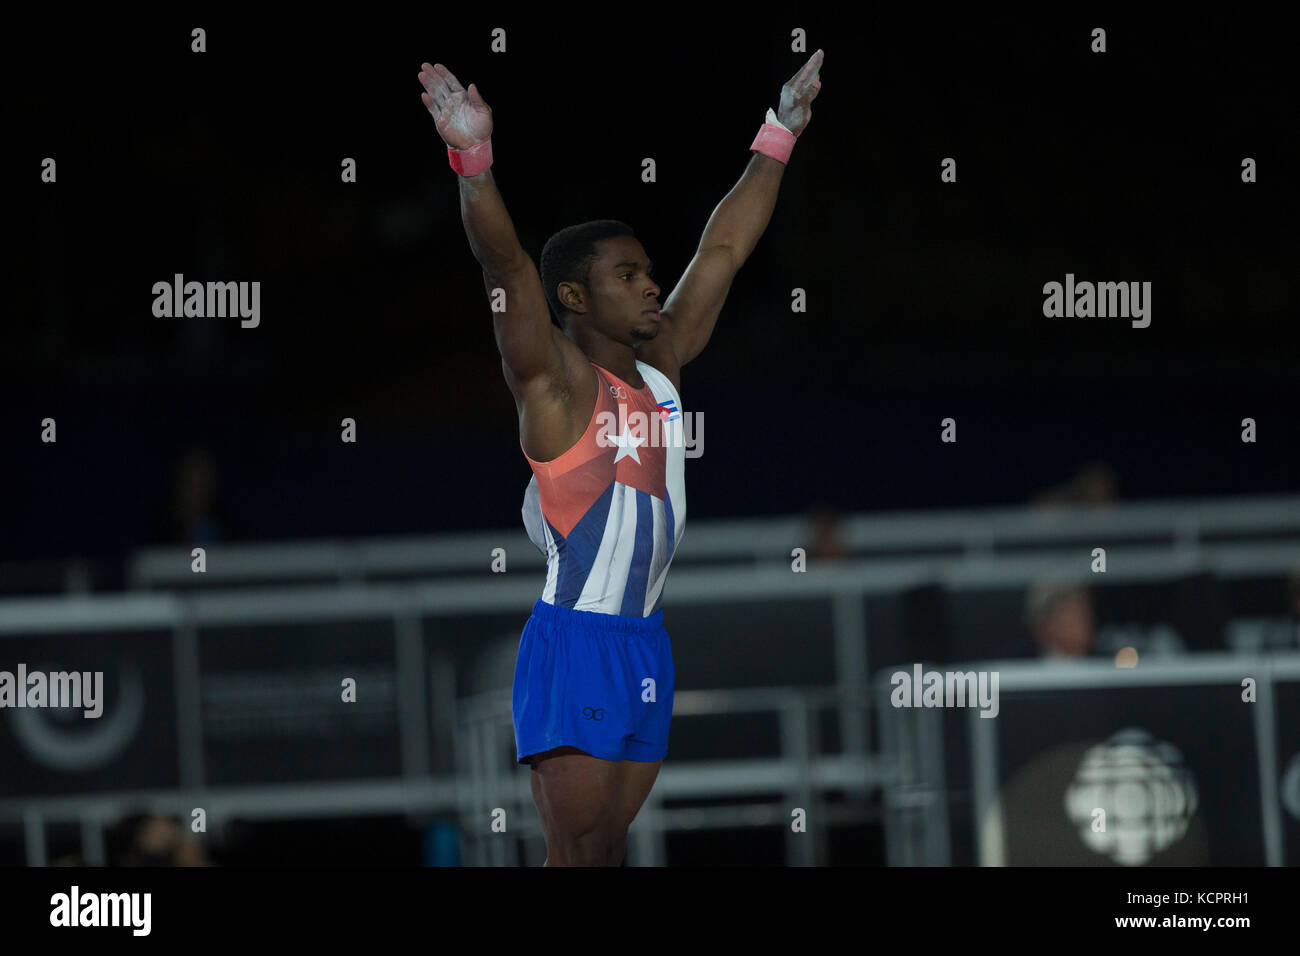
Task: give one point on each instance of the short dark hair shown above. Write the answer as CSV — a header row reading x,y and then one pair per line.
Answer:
x,y
569,254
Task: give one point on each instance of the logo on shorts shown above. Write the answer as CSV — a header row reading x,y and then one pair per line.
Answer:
x,y
593,713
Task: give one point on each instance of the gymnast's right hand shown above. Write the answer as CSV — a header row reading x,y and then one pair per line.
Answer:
x,y
462,118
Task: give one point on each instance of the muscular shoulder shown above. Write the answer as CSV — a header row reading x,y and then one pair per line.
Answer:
x,y
569,374
555,406
659,354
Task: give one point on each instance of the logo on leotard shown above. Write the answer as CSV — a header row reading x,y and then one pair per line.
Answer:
x,y
668,411
593,713
618,391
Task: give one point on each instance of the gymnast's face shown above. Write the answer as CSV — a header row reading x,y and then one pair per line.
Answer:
x,y
622,289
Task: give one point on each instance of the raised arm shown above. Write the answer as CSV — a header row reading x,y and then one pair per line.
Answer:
x,y
524,332
691,311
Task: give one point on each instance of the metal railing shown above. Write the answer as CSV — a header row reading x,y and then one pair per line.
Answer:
x,y
1187,526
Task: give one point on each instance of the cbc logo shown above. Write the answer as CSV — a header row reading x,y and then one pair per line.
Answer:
x,y
1291,788
618,391
1148,794
593,713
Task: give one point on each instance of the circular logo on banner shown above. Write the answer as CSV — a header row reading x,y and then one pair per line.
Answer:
x,y
63,738
1291,787
1147,794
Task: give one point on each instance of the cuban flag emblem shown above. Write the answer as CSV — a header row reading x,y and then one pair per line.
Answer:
x,y
668,411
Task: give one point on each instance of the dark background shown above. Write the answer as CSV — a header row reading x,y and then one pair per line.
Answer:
x,y
925,298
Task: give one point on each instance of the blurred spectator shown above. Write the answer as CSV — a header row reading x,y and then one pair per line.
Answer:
x,y
144,839
826,541
1097,483
194,518
1061,619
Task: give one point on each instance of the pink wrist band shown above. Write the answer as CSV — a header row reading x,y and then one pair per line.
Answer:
x,y
472,161
774,141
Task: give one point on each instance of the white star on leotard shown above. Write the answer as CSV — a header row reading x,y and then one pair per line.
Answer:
x,y
627,444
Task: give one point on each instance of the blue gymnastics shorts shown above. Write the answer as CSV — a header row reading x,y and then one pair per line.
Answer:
x,y
600,682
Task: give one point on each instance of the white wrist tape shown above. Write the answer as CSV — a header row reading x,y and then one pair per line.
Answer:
x,y
771,118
